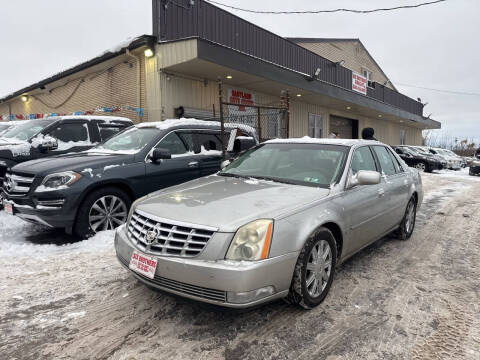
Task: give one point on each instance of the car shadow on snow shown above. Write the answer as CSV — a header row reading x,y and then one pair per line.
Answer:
x,y
51,237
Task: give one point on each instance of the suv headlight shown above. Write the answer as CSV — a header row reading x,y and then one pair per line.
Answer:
x,y
251,241
58,181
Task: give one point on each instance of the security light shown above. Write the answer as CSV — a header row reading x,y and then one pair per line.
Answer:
x,y
24,98
349,107
340,63
298,95
379,115
229,76
148,53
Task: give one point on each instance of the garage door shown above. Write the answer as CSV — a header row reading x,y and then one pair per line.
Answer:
x,y
344,128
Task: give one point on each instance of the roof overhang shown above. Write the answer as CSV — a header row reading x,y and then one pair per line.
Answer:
x,y
209,60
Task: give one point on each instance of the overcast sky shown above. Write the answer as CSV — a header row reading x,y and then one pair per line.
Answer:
x,y
436,46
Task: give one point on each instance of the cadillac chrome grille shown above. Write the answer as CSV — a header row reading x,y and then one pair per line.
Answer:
x,y
165,237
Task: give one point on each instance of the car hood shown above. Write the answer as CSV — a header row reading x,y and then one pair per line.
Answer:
x,y
228,203
77,162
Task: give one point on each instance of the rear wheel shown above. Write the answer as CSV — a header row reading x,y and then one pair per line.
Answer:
x,y
103,209
314,270
420,166
408,222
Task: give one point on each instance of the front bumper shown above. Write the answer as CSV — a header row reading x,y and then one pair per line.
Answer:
x,y
56,209
474,170
216,282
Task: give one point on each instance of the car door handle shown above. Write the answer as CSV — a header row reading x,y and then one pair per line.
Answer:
x,y
193,164
381,192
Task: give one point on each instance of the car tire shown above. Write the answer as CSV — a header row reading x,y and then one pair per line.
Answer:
x,y
302,289
407,225
115,204
420,166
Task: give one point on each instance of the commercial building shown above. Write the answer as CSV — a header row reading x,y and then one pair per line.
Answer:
x,y
334,85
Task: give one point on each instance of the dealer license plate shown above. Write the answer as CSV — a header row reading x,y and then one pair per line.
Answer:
x,y
8,207
143,264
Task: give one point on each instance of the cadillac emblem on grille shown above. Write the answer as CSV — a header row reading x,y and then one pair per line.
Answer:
x,y
152,235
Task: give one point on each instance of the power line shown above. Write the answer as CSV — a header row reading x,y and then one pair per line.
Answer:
x,y
327,11
440,90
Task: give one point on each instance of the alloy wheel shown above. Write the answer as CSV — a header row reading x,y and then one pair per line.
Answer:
x,y
420,167
107,213
319,267
410,217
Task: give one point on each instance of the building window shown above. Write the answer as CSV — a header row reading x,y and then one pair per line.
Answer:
x,y
402,136
315,125
368,74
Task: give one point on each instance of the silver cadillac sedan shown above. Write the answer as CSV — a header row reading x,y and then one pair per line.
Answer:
x,y
274,223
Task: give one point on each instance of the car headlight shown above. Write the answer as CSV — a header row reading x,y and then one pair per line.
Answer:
x,y
251,241
58,181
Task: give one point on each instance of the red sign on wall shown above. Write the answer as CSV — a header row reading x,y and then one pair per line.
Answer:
x,y
359,83
240,97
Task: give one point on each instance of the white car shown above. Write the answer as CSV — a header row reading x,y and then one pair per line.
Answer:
x,y
453,161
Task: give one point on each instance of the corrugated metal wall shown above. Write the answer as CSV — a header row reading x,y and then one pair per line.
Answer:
x,y
115,86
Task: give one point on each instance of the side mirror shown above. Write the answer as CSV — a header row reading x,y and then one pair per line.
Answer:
x,y
364,177
243,143
224,164
48,143
160,154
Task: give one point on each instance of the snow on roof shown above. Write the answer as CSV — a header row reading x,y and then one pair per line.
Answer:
x,y
89,117
309,140
166,124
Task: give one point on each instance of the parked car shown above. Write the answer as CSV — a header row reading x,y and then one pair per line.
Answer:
x,y
7,125
33,139
475,164
272,224
453,163
424,151
420,161
91,191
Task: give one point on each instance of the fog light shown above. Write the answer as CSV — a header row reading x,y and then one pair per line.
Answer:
x,y
249,296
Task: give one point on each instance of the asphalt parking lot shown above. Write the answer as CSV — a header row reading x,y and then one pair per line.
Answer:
x,y
415,299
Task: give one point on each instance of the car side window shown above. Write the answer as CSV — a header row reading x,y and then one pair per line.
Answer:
x,y
173,143
108,130
363,160
385,160
70,132
204,140
396,163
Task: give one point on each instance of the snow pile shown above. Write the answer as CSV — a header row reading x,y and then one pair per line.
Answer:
x,y
14,240
461,174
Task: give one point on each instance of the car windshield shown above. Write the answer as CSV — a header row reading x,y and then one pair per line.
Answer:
x,y
293,163
26,130
130,141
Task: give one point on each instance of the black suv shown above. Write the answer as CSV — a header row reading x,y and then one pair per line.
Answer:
x,y
33,139
92,191
420,161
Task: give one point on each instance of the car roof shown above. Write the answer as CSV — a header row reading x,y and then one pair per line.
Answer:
x,y
193,123
91,117
326,141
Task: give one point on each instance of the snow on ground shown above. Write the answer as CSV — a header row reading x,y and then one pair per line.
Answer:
x,y
19,238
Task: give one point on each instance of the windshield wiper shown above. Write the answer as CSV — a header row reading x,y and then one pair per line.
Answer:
x,y
232,175
274,180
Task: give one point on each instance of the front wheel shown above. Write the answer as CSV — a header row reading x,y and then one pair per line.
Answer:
x,y
408,222
314,270
103,209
